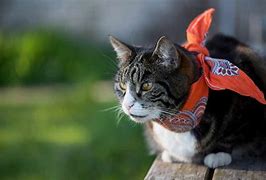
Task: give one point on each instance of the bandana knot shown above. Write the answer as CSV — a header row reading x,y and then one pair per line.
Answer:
x,y
217,74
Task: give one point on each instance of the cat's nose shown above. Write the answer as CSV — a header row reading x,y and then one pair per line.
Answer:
x,y
128,106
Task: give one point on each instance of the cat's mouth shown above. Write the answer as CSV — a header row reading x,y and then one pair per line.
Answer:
x,y
138,116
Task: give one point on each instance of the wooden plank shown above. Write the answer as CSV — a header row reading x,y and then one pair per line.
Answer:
x,y
252,169
179,171
236,174
246,169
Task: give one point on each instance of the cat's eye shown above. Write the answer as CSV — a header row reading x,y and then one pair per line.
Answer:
x,y
146,86
122,85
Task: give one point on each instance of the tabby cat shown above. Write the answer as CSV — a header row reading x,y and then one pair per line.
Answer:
x,y
153,83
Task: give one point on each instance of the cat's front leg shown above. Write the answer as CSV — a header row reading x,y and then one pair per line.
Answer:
x,y
214,160
166,157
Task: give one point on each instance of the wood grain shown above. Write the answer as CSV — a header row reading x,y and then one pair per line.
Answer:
x,y
248,169
179,171
236,174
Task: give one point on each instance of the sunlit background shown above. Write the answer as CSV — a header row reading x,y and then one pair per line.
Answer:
x,y
56,69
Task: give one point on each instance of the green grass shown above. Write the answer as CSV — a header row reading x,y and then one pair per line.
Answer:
x,y
62,133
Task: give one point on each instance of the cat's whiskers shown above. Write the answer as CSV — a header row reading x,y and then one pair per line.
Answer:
x,y
111,108
113,64
120,115
161,121
167,112
110,60
160,118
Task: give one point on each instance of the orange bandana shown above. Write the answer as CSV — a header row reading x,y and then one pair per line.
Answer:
x,y
218,74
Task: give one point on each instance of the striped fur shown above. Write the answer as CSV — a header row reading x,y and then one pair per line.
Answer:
x,y
230,122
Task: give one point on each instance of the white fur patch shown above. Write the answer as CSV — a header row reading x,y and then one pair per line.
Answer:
x,y
133,108
215,160
180,146
166,157
128,101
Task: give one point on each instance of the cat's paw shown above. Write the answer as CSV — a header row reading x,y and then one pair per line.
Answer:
x,y
166,157
215,160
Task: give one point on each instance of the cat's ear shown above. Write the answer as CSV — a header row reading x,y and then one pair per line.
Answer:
x,y
123,51
166,53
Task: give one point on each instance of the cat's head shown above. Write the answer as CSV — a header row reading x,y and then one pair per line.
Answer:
x,y
152,83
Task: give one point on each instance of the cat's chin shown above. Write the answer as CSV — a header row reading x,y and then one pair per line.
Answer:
x,y
141,119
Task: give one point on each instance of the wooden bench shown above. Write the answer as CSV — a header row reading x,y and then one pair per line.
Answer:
x,y
253,169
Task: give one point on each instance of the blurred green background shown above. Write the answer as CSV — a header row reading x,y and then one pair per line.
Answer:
x,y
54,108
56,70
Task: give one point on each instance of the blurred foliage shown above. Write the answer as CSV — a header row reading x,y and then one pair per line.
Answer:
x,y
43,57
60,131
65,134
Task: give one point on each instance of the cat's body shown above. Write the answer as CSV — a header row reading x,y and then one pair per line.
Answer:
x,y
230,121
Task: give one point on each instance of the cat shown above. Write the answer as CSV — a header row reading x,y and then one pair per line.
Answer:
x,y
152,83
